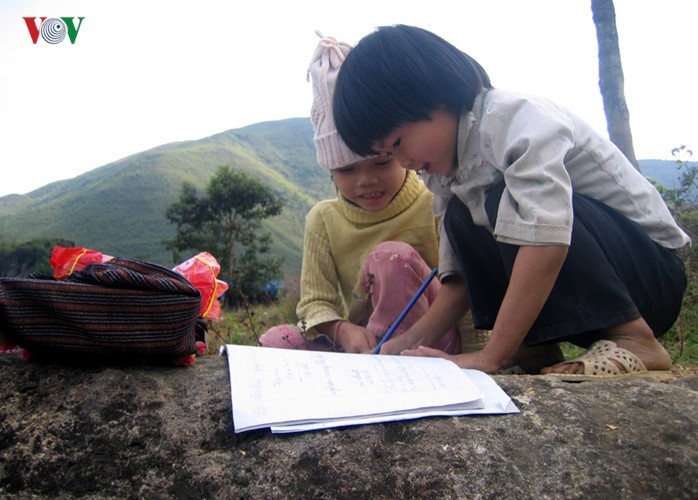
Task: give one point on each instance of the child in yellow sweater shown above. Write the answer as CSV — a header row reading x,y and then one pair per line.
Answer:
x,y
367,252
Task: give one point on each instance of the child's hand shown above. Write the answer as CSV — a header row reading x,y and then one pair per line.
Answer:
x,y
397,345
473,360
429,352
354,338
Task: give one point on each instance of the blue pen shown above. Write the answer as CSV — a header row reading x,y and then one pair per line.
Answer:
x,y
399,319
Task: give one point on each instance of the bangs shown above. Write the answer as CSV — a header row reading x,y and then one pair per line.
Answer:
x,y
398,75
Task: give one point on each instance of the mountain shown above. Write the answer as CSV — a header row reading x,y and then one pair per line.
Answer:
x,y
119,208
664,172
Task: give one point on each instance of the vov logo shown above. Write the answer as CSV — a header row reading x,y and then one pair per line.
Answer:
x,y
53,30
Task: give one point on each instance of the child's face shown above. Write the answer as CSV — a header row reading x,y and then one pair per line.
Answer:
x,y
371,183
428,146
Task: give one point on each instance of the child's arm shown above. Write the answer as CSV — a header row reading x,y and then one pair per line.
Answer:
x,y
449,305
533,276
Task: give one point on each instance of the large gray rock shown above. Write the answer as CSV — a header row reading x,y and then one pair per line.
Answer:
x,y
160,432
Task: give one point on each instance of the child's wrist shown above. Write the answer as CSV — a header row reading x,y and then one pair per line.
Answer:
x,y
412,339
492,358
336,331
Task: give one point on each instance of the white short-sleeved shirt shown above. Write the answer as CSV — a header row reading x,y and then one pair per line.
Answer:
x,y
543,153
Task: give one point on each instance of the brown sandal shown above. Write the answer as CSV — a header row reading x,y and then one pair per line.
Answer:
x,y
601,362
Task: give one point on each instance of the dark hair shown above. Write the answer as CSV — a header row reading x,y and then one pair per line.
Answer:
x,y
397,75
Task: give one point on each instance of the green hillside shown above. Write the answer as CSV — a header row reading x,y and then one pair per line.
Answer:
x,y
119,208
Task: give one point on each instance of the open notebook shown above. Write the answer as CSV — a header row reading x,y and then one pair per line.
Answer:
x,y
294,391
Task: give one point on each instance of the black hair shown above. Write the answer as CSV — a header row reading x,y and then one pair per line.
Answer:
x,y
397,75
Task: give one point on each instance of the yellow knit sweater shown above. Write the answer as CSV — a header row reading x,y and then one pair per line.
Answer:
x,y
338,238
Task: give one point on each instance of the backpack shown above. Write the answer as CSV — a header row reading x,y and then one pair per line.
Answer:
x,y
123,309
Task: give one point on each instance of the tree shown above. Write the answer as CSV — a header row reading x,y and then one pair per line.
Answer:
x,y
611,81
226,222
683,198
29,257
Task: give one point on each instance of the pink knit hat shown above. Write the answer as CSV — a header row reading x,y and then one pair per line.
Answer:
x,y
332,153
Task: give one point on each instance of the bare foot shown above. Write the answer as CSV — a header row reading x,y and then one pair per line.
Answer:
x,y
533,359
635,336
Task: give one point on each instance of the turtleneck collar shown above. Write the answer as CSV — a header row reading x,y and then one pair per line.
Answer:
x,y
409,192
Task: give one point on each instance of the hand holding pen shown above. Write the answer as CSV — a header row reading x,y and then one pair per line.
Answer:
x,y
407,309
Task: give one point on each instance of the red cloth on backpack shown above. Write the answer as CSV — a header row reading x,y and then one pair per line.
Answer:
x,y
65,261
201,271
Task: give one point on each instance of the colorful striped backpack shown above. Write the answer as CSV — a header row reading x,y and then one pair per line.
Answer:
x,y
123,309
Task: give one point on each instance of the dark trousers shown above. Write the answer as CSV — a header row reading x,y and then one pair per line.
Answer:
x,y
613,273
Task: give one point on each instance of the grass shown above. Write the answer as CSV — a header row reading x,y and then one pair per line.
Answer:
x,y
245,324
682,339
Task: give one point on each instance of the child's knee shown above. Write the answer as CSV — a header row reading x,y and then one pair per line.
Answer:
x,y
388,249
391,262
388,256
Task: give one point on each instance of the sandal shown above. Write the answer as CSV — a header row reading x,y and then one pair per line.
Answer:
x,y
601,362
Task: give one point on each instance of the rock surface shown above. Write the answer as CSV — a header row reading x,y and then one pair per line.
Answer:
x,y
160,432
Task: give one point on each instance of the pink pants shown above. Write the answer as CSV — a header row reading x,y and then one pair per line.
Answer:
x,y
390,277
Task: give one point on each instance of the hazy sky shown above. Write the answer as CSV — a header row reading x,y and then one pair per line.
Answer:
x,y
142,73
